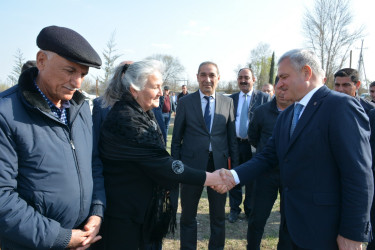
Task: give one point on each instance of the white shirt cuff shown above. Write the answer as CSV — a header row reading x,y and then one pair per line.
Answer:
x,y
235,176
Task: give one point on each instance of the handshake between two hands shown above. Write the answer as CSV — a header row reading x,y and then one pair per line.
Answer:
x,y
221,180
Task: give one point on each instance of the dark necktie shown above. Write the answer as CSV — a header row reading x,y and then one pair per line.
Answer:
x,y
297,111
207,113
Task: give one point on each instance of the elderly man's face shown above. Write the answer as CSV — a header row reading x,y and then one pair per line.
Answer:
x,y
59,78
208,78
268,89
245,80
282,102
346,86
148,97
292,82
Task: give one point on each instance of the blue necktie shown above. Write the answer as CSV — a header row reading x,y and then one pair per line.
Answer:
x,y
207,113
297,111
243,119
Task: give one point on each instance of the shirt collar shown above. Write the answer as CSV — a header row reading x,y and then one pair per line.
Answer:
x,y
305,100
250,93
202,95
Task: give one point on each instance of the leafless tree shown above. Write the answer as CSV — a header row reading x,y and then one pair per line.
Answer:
x,y
173,69
17,68
236,69
329,33
88,86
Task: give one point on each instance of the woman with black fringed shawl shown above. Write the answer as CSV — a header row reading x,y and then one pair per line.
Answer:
x,y
137,169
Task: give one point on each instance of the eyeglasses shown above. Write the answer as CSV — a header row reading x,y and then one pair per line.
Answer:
x,y
243,77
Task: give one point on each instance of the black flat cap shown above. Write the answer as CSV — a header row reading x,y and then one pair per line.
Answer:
x,y
68,44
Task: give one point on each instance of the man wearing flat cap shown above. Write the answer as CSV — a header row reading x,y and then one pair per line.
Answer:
x,y
50,196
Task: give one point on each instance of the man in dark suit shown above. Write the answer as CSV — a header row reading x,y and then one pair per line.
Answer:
x,y
204,137
267,185
246,100
321,144
347,82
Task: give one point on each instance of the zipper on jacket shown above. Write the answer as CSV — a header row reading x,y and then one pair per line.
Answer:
x,y
78,173
70,127
69,137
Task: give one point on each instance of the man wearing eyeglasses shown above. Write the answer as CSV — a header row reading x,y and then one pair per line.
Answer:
x,y
245,103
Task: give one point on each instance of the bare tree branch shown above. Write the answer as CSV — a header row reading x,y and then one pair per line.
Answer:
x,y
173,69
328,31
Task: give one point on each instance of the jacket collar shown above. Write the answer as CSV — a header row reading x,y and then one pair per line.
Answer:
x,y
311,107
34,98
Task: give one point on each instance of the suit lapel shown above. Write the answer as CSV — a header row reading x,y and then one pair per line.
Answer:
x,y
253,100
236,97
311,108
218,107
197,106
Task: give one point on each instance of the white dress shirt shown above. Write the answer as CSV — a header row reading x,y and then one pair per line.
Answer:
x,y
212,108
241,99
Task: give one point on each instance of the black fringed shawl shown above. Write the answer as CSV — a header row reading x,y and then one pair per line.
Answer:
x,y
130,133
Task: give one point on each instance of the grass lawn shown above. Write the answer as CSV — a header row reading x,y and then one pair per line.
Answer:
x,y
235,232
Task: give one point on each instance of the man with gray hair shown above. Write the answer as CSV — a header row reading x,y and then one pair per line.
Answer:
x,y
321,144
268,88
50,196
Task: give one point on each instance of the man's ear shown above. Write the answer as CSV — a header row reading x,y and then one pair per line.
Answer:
x,y
41,60
357,85
307,72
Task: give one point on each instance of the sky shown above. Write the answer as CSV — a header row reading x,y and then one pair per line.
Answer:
x,y
194,31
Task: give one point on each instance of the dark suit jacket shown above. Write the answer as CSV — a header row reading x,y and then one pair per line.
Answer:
x,y
257,98
369,109
367,106
325,170
191,139
262,124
